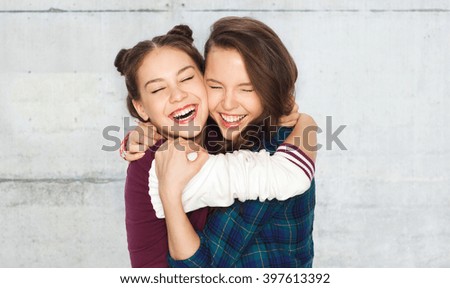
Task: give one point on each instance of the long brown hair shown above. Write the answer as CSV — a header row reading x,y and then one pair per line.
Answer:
x,y
270,67
128,61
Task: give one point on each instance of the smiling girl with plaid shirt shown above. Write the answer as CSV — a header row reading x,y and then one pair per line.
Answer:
x,y
250,78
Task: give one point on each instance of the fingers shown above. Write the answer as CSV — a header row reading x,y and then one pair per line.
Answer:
x,y
137,142
192,156
200,155
194,152
150,132
189,149
136,148
129,156
133,156
290,120
188,145
145,135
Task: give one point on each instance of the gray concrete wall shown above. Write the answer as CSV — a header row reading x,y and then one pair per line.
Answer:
x,y
379,67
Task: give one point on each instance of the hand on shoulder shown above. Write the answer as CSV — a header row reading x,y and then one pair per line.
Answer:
x,y
304,135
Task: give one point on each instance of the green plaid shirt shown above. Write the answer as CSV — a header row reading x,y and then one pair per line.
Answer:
x,y
258,234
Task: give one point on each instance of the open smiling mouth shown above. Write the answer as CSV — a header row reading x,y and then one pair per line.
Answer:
x,y
231,120
185,114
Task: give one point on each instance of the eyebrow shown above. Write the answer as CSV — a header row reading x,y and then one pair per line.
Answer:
x,y
161,79
212,80
218,82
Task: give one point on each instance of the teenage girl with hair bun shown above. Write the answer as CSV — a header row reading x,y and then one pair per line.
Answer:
x,y
165,87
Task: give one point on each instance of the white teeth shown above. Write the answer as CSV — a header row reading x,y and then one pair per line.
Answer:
x,y
232,118
185,111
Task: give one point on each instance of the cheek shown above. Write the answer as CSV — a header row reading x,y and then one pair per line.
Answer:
x,y
198,89
155,109
210,105
255,105
203,97
212,102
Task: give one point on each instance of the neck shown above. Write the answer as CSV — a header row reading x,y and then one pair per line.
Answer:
x,y
196,139
199,138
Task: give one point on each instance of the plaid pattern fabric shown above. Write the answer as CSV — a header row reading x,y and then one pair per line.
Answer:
x,y
258,234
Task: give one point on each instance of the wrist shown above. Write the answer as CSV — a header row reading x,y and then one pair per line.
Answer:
x,y
170,195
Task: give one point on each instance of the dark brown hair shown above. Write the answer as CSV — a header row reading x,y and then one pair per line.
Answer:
x,y
270,67
128,61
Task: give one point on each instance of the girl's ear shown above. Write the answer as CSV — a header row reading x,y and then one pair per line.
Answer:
x,y
140,110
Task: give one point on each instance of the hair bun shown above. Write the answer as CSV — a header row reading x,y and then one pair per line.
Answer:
x,y
182,30
120,60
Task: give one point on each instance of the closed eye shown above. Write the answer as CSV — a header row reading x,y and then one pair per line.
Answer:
x,y
187,79
215,87
247,90
157,90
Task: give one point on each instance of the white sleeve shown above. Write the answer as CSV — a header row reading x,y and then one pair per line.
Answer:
x,y
243,175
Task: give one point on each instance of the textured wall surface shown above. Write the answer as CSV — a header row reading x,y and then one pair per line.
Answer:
x,y
380,68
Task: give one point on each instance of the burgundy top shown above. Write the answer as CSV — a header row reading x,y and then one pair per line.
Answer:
x,y
146,234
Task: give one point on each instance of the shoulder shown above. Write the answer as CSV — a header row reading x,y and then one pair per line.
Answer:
x,y
307,120
305,125
304,136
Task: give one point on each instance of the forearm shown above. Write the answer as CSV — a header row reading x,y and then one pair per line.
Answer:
x,y
243,175
182,239
283,175
247,175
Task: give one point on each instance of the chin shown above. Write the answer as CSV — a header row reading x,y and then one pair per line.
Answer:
x,y
191,131
188,136
230,134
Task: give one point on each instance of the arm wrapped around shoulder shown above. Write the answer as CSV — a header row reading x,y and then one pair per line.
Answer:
x,y
243,175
